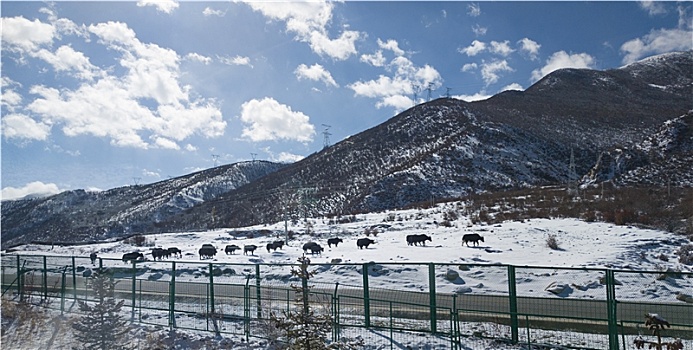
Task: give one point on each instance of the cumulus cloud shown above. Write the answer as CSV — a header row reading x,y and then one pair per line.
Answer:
x,y
479,96
145,98
198,58
469,67
391,45
395,91
562,59
268,120
513,86
286,157
377,59
491,71
36,188
309,22
315,72
501,48
236,61
166,6
530,48
475,48
208,11
656,42
20,126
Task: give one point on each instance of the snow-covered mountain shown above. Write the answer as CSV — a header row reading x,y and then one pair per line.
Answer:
x,y
438,150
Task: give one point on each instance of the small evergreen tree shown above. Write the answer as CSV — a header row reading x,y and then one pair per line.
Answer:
x,y
304,329
102,327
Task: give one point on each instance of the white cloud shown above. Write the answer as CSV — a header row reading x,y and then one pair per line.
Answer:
x,y
269,120
501,48
198,58
309,21
391,45
653,7
473,10
561,59
475,48
146,99
285,157
377,59
236,61
491,71
208,11
530,47
23,35
395,91
513,86
315,72
469,67
656,42
482,95
20,126
32,188
479,30
166,6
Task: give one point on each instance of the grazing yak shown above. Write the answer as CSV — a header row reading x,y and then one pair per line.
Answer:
x,y
278,244
92,256
472,237
249,248
273,246
160,253
132,257
334,241
231,248
207,251
419,238
307,246
364,242
175,252
315,249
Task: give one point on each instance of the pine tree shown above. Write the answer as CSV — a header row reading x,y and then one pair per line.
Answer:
x,y
306,330
102,327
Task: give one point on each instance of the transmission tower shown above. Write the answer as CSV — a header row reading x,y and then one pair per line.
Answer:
x,y
136,180
447,92
416,93
430,85
326,135
214,158
253,156
572,173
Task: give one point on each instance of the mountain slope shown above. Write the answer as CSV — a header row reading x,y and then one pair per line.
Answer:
x,y
442,149
75,216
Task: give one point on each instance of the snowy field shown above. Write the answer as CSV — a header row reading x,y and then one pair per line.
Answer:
x,y
522,244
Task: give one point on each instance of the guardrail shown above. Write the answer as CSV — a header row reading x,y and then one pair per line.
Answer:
x,y
238,298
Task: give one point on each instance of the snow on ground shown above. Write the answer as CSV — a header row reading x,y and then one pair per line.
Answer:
x,y
581,245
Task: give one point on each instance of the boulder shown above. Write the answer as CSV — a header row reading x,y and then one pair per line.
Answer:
x,y
560,289
452,275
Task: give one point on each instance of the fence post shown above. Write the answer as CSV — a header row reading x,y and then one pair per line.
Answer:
x,y
611,309
62,293
211,287
20,285
432,296
45,278
257,291
512,298
172,298
74,278
134,286
455,329
335,314
366,296
246,308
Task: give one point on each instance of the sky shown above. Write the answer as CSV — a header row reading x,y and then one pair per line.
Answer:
x,y
98,95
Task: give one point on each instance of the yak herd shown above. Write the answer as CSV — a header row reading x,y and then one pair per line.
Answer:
x,y
208,251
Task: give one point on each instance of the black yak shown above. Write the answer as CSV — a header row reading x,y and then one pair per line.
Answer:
x,y
418,238
231,248
364,242
249,248
472,237
334,241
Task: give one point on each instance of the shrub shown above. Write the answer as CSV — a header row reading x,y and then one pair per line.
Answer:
x,y
685,254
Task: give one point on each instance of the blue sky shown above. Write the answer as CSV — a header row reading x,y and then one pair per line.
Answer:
x,y
97,95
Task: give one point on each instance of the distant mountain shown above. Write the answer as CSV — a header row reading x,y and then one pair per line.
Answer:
x,y
77,216
438,150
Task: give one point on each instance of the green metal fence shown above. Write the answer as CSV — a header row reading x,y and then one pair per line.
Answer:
x,y
598,309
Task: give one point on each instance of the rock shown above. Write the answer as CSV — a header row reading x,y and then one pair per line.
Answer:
x,y
452,275
336,261
685,298
462,290
86,273
463,268
560,289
